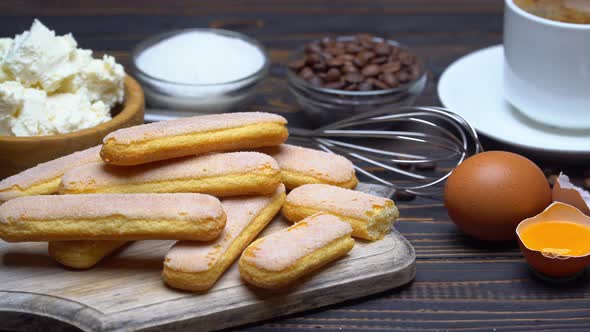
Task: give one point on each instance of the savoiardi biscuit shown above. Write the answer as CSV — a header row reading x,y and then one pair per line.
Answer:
x,y
197,266
44,178
217,174
301,166
370,216
82,254
283,257
193,135
128,217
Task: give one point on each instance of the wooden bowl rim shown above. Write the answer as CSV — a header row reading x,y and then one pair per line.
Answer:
x,y
131,105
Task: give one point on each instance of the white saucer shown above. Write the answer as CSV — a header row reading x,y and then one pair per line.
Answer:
x,y
472,88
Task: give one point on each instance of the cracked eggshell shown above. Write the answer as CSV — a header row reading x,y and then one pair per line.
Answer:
x,y
551,264
566,192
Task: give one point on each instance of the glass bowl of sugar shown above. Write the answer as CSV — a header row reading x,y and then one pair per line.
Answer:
x,y
199,70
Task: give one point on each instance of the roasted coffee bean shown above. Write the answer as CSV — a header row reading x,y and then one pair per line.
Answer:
x,y
586,183
402,76
365,86
353,48
335,85
320,67
333,75
367,44
326,42
364,37
335,51
365,40
313,48
380,85
379,60
361,63
306,73
350,69
425,166
326,56
402,195
316,81
297,64
370,70
335,62
405,166
314,58
351,87
391,67
354,77
346,57
390,79
366,55
382,49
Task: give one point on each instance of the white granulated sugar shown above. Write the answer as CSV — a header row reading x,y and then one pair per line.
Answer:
x,y
199,57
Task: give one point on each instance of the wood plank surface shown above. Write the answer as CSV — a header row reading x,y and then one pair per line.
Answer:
x,y
461,285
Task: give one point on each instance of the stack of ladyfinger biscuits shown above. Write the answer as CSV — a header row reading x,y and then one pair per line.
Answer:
x,y
165,180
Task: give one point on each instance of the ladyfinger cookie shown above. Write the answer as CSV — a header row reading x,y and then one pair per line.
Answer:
x,y
281,258
301,166
44,178
82,254
194,135
197,266
370,216
112,217
219,174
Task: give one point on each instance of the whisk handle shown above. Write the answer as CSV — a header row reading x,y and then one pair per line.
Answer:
x,y
300,132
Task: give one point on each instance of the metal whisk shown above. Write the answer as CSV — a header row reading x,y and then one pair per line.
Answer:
x,y
395,141
374,140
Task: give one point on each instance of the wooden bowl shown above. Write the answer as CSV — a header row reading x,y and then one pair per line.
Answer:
x,y
20,153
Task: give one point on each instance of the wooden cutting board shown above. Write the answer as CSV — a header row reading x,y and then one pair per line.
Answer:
x,y
125,292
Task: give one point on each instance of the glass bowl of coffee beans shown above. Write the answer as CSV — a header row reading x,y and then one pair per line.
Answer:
x,y
338,77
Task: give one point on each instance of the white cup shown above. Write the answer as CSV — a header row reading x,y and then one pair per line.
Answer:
x,y
547,68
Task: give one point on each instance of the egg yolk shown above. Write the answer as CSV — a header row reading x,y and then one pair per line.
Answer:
x,y
557,237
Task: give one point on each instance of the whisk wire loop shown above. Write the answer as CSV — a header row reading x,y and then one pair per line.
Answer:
x,y
435,134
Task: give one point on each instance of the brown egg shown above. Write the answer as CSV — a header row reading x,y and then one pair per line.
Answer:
x,y
490,193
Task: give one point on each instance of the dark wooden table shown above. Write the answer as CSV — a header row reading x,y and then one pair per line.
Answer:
x,y
461,285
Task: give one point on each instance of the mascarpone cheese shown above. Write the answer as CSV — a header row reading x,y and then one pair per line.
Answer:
x,y
49,86
5,44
